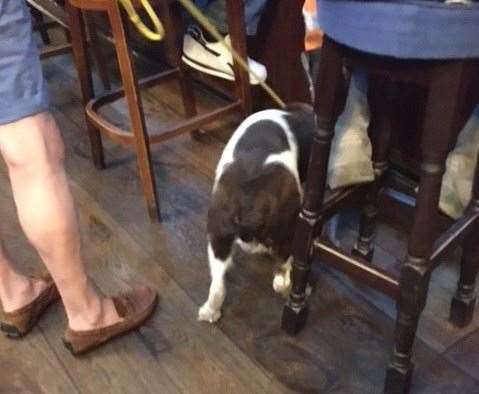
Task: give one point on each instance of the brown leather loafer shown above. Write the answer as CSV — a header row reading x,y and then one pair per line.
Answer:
x,y
134,308
18,323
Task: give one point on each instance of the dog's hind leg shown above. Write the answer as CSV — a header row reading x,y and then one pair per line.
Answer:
x,y
220,260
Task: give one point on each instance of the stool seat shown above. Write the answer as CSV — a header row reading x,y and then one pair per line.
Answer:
x,y
408,29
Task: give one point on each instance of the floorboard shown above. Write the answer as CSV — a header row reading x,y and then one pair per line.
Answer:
x,y
464,354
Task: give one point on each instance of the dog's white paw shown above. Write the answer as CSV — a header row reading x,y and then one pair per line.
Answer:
x,y
282,283
205,313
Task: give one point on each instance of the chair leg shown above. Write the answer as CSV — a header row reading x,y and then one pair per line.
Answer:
x,y
464,301
329,99
80,57
97,53
445,102
135,108
173,22
237,30
381,106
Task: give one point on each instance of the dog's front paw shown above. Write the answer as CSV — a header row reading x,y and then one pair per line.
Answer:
x,y
208,314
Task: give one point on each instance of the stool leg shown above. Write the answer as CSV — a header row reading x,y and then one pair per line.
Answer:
x,y
236,23
135,108
330,92
173,23
80,57
445,101
464,301
97,52
380,105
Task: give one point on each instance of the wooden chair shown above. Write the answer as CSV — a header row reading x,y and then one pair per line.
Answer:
x,y
55,12
453,92
138,136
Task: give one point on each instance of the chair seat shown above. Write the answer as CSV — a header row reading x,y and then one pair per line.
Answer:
x,y
408,29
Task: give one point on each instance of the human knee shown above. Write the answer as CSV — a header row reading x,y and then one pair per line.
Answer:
x,y
32,144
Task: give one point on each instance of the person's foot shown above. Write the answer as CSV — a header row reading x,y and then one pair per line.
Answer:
x,y
212,57
22,313
132,310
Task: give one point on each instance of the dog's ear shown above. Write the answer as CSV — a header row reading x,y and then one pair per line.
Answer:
x,y
284,209
299,109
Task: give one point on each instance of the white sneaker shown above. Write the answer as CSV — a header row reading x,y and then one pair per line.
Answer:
x,y
213,58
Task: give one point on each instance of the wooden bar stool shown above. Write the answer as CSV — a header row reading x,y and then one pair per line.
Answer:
x,y
453,86
138,136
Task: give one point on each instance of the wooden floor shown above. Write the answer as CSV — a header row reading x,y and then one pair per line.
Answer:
x,y
344,348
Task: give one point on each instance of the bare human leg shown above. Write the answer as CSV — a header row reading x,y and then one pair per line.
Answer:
x,y
33,152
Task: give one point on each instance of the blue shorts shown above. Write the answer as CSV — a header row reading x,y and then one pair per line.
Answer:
x,y
22,87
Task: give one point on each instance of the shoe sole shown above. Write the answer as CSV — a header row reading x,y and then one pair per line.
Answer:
x,y
210,71
89,349
10,331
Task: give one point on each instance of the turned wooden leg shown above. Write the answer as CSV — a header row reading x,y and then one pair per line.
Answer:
x,y
135,108
464,301
415,276
173,23
80,57
329,99
445,102
380,97
237,30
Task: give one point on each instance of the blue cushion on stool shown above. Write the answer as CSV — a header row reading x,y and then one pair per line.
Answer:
x,y
422,29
